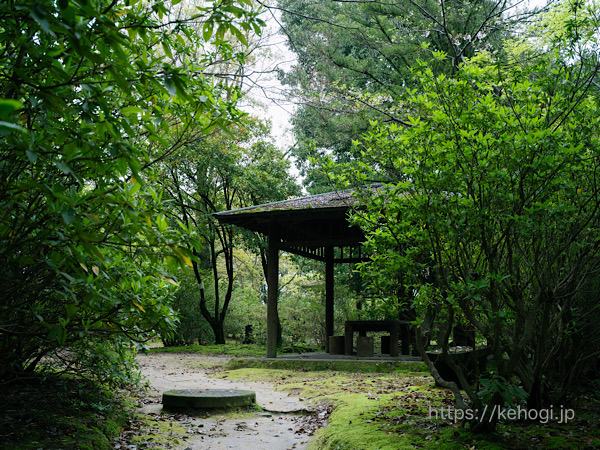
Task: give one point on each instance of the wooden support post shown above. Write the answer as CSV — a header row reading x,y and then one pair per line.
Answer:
x,y
394,340
272,290
405,338
329,295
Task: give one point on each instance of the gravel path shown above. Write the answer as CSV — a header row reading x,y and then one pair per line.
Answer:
x,y
277,428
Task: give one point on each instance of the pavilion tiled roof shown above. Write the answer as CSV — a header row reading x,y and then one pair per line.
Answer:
x,y
305,225
328,200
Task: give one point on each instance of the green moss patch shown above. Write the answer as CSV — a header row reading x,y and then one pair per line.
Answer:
x,y
397,410
151,432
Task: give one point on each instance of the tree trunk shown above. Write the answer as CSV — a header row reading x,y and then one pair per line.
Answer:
x,y
219,332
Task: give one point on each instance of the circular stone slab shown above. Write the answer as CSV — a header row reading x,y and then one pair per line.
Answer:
x,y
207,398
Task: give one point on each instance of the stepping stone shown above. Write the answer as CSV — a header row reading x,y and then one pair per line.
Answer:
x,y
207,399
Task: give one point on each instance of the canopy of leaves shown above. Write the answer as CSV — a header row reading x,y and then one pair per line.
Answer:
x,y
355,60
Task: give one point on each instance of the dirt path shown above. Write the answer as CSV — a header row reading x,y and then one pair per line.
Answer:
x,y
278,428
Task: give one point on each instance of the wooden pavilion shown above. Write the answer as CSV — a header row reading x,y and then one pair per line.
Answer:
x,y
315,227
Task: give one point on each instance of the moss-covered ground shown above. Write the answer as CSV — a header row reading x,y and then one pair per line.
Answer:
x,y
400,408
372,406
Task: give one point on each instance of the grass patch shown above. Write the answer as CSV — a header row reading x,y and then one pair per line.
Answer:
x,y
217,350
340,366
234,350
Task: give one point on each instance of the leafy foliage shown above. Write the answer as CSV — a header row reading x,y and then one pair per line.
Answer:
x,y
218,172
191,328
61,413
355,61
492,219
88,92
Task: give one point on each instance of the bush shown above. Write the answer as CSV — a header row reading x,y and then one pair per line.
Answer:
x,y
191,327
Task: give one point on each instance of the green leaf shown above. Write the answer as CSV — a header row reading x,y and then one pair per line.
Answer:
x,y
167,48
161,222
54,332
239,35
171,87
220,34
185,258
38,13
7,106
207,30
235,10
128,110
63,167
71,308
134,188
68,216
92,250
7,128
